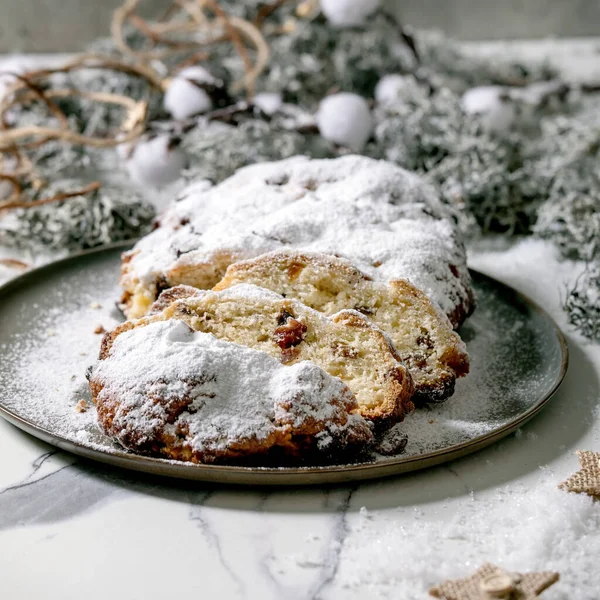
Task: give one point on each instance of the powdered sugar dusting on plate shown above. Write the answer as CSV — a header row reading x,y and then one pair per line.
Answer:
x,y
514,362
514,353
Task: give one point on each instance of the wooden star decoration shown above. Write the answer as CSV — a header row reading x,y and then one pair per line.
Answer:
x,y
491,582
586,480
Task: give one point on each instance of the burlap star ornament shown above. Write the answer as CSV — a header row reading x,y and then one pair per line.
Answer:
x,y
491,582
587,479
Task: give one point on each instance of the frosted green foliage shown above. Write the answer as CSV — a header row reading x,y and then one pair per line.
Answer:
x,y
571,215
101,217
101,119
569,154
420,130
217,150
491,181
107,47
362,56
445,62
487,177
583,303
315,59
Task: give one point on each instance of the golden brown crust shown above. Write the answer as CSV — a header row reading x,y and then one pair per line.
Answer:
x,y
137,297
169,296
288,443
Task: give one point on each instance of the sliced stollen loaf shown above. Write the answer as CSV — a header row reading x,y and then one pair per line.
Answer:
x,y
346,345
386,221
168,391
421,334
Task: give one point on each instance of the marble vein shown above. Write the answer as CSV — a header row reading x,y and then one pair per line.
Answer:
x,y
197,516
340,533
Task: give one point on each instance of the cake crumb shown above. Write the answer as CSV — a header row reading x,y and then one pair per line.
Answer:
x,y
95,305
81,406
99,329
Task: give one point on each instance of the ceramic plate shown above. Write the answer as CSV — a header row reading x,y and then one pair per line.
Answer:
x,y
48,337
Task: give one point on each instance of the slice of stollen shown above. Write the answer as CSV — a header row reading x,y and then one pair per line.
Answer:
x,y
346,345
168,391
421,333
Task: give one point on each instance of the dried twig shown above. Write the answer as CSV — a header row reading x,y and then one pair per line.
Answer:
x,y
38,92
98,61
236,40
155,33
11,204
307,9
13,181
222,28
263,53
407,37
13,263
191,60
266,10
134,123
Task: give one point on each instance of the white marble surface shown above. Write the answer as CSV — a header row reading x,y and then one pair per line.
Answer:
x,y
72,529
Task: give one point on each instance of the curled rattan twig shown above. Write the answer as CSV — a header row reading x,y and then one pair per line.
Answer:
x,y
133,125
219,28
13,263
12,204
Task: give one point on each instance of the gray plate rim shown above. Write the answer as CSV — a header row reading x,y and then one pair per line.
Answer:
x,y
285,475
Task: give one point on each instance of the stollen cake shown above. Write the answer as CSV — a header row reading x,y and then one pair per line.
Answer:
x,y
388,222
422,335
345,345
168,391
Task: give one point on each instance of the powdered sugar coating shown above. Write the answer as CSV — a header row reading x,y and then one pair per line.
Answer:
x,y
387,221
214,397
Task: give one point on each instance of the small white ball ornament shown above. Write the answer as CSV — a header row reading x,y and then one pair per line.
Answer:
x,y
268,102
345,119
496,111
185,97
348,13
156,161
392,88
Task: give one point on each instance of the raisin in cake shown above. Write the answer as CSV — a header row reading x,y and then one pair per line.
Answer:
x,y
346,345
421,334
168,391
385,220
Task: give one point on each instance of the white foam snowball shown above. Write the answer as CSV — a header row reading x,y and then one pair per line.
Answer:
x,y
496,113
348,13
153,162
184,98
268,102
125,149
345,119
391,88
